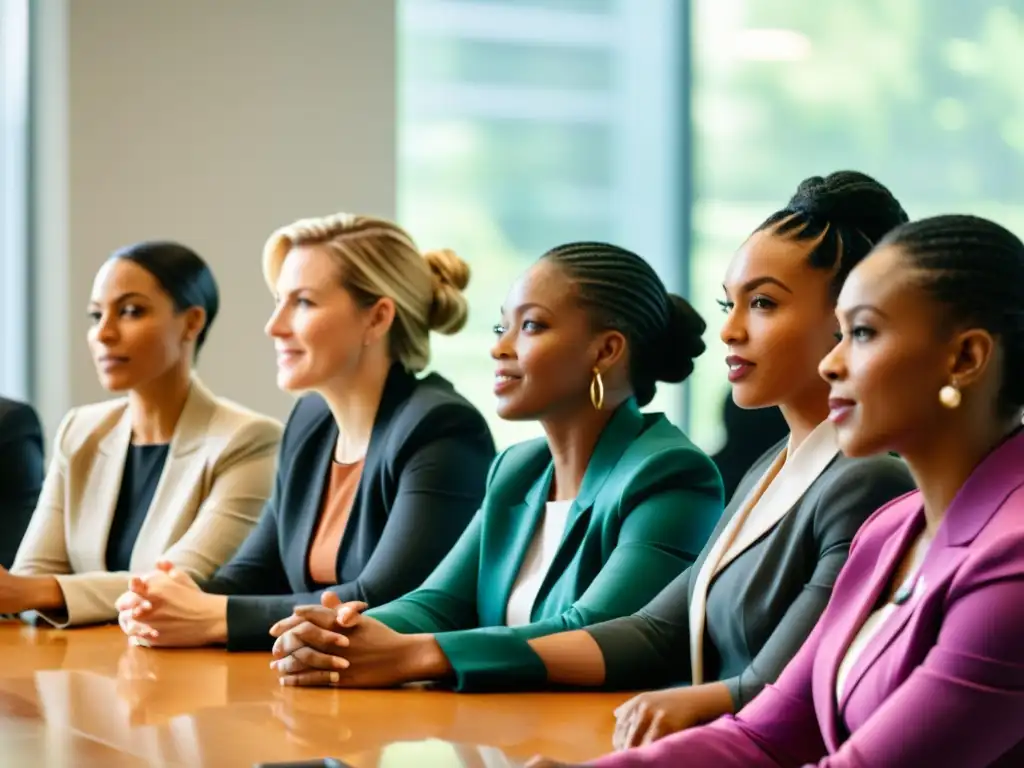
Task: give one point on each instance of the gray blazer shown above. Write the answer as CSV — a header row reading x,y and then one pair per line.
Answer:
x,y
761,606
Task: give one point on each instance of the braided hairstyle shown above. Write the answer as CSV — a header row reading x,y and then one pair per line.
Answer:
x,y
852,210
622,292
975,268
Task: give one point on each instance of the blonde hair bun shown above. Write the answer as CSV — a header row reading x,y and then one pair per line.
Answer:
x,y
449,310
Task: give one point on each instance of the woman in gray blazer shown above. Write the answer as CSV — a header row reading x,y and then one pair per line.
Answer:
x,y
756,591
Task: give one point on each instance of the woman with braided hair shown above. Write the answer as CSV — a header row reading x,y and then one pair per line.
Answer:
x,y
379,471
584,525
918,658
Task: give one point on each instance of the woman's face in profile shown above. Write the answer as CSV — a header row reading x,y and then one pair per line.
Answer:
x,y
136,336
894,357
544,344
317,327
779,322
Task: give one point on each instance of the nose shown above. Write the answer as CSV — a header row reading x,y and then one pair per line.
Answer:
x,y
833,366
105,331
277,325
502,347
734,330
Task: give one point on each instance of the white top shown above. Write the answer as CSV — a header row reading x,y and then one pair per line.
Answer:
x,y
874,622
536,563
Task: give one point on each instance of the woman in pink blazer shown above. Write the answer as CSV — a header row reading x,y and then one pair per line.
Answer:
x,y
919,658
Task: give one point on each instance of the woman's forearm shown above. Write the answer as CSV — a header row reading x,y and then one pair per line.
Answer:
x,y
41,593
424,659
571,658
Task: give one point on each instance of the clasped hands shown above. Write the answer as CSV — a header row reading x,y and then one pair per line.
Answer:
x,y
167,608
334,644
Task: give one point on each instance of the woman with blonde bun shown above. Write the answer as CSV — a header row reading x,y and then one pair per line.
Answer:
x,y
380,470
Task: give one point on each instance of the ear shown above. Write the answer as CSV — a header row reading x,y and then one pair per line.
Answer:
x,y
611,347
195,321
379,317
971,356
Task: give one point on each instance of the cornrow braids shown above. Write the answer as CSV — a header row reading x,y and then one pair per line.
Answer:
x,y
622,292
848,210
975,268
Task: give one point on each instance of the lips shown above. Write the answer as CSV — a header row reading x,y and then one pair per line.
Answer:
x,y
739,367
285,356
840,409
107,362
504,381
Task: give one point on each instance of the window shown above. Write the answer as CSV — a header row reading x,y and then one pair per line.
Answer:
x,y
524,125
14,318
925,96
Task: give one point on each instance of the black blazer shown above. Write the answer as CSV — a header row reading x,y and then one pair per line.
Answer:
x,y
21,473
423,480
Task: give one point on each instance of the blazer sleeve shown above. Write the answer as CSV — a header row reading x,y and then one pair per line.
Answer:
x,y
447,601
962,706
22,468
43,549
651,647
242,481
440,487
779,729
669,510
849,501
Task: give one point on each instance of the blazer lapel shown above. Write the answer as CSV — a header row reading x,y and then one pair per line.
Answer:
x,y
998,475
620,432
102,488
177,478
801,469
782,486
850,618
522,519
398,386
319,455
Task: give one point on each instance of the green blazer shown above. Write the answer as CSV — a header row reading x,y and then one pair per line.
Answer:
x,y
647,504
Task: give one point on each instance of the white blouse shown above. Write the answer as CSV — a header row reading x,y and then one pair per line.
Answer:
x,y
874,622
535,565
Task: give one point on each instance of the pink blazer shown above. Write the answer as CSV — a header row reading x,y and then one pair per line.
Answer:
x,y
942,682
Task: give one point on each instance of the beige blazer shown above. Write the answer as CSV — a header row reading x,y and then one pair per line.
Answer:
x,y
219,472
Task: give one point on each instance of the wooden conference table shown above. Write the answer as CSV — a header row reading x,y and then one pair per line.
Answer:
x,y
86,698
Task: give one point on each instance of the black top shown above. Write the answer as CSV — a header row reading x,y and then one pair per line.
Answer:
x,y
762,605
423,480
142,469
21,473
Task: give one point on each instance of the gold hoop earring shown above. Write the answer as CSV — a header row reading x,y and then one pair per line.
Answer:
x,y
597,390
950,396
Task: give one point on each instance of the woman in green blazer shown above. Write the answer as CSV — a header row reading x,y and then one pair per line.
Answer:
x,y
583,526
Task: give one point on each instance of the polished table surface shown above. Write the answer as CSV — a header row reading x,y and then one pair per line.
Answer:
x,y
84,697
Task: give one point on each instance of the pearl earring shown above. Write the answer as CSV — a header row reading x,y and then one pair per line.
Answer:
x,y
949,396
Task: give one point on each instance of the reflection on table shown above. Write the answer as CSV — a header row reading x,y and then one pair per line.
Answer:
x,y
86,697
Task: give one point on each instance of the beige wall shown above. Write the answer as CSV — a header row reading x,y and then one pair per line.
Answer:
x,y
206,122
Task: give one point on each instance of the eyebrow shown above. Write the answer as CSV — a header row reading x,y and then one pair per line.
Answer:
x,y
122,297
757,282
848,313
526,306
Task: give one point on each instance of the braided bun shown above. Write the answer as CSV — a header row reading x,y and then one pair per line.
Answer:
x,y
683,342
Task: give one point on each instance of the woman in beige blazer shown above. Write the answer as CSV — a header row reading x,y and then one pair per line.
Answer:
x,y
168,472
